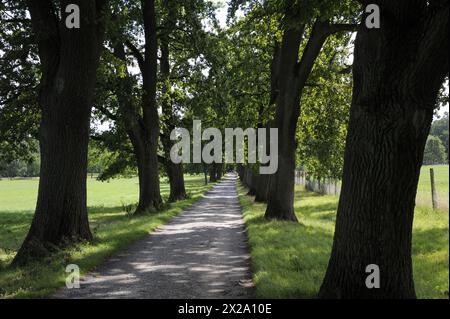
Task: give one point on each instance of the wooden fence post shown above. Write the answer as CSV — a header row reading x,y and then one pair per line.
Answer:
x,y
433,190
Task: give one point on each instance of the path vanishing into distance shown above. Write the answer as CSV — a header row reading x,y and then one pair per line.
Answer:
x,y
201,253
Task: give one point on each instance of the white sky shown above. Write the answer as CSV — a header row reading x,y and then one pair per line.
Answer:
x,y
222,13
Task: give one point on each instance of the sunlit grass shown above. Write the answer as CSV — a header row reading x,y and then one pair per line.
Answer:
x,y
113,230
289,260
441,175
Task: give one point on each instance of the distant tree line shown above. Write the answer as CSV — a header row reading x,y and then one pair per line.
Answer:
x,y
436,149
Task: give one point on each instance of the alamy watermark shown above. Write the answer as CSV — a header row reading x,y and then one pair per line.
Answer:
x,y
73,279
73,17
373,280
259,150
372,19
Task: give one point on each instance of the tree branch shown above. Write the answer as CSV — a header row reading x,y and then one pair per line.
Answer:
x,y
321,31
342,27
136,53
433,49
45,26
106,112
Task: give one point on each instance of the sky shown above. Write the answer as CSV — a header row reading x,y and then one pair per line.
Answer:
x,y
222,11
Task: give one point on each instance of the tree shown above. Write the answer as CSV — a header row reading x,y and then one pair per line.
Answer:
x,y
182,40
398,71
323,122
19,79
292,79
138,119
434,151
69,60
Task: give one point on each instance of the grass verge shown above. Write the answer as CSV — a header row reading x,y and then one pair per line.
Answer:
x,y
289,260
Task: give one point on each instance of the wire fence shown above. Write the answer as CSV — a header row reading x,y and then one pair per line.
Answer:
x,y
326,186
428,195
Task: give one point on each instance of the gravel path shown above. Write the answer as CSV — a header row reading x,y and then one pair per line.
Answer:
x,y
201,253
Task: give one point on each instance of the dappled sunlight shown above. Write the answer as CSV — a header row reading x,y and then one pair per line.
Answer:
x,y
201,253
289,260
113,231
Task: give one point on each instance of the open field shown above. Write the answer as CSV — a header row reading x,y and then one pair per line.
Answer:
x,y
441,177
289,260
113,230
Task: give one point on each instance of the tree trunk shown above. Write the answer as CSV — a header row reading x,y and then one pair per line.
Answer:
x,y
150,196
291,82
176,181
149,190
219,172
212,173
253,182
69,61
281,195
398,71
174,171
262,188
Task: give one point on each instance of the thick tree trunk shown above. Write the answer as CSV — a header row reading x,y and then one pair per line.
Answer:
x,y
174,171
241,173
262,189
176,181
150,196
291,82
149,189
281,196
253,178
398,71
69,61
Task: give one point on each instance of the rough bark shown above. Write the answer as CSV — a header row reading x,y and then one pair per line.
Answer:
x,y
253,182
262,189
144,129
281,197
69,60
133,123
398,71
219,173
291,82
241,172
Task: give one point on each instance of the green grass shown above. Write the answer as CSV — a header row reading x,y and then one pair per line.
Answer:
x,y
113,231
289,260
441,176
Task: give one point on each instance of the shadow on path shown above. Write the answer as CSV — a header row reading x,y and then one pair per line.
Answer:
x,y
201,253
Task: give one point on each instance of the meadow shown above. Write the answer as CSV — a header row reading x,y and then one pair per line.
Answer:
x,y
441,176
108,203
289,260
